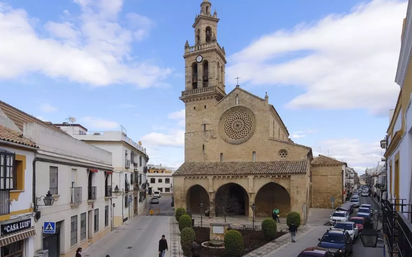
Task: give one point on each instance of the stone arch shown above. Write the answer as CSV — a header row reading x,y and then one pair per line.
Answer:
x,y
271,196
233,198
208,34
194,195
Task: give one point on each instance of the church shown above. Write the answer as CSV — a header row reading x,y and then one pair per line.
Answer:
x,y
237,149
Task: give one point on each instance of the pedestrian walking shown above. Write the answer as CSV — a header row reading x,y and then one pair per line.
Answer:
x,y
163,246
293,229
79,252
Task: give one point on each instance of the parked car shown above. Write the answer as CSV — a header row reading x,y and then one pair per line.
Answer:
x,y
366,217
365,194
337,241
157,194
365,210
154,200
359,221
316,251
348,226
368,206
338,216
348,207
355,202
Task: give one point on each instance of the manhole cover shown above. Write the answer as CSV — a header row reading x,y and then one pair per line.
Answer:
x,y
129,247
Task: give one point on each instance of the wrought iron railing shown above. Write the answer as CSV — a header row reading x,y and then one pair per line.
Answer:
x,y
396,227
4,202
76,195
92,193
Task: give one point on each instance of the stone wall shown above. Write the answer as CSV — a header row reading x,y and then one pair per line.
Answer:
x,y
326,183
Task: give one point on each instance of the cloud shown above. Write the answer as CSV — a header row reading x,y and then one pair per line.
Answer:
x,y
298,134
357,154
98,123
92,48
141,25
48,108
343,61
178,115
174,139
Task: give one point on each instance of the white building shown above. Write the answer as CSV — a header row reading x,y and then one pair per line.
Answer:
x,y
74,176
129,164
16,213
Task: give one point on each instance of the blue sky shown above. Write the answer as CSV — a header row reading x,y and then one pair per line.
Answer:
x,y
327,66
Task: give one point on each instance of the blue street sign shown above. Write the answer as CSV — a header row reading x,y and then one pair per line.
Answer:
x,y
49,227
332,199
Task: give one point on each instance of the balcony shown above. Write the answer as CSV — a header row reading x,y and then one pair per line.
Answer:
x,y
4,202
204,91
91,193
76,196
127,164
108,192
127,187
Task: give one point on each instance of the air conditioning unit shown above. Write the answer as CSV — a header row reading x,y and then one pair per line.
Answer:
x,y
42,253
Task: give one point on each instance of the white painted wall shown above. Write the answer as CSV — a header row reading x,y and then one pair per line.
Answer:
x,y
398,122
163,176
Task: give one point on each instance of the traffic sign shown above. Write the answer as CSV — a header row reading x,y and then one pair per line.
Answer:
x,y
49,227
332,199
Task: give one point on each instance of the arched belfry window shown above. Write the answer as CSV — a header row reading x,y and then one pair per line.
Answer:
x,y
237,100
207,10
218,73
205,73
221,74
198,36
194,75
208,34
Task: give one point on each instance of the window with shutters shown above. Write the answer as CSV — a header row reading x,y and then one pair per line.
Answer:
x,y
73,231
82,226
54,181
106,216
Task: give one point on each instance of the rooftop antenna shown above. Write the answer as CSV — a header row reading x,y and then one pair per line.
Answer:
x,y
71,119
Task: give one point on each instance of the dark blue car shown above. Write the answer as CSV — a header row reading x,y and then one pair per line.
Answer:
x,y
338,241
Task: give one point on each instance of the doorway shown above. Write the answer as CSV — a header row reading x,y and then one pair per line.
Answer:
x,y
51,242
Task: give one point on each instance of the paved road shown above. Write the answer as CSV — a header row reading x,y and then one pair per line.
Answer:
x,y
141,233
310,239
164,206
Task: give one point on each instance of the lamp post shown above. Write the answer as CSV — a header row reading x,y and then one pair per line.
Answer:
x,y
48,199
253,219
201,213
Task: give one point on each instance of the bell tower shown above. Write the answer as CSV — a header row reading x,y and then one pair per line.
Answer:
x,y
205,60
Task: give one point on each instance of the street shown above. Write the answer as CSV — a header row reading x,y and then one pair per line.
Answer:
x,y
164,207
138,237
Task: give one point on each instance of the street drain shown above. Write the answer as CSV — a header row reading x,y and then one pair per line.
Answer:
x,y
129,247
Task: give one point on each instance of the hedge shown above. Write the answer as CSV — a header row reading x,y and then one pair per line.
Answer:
x,y
269,228
187,236
185,222
179,212
293,217
233,243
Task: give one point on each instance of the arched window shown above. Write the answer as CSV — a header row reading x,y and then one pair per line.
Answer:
x,y
218,73
221,74
208,34
207,10
205,73
237,100
198,37
194,75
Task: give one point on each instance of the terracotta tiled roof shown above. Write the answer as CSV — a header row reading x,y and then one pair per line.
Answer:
x,y
9,135
241,168
322,160
19,117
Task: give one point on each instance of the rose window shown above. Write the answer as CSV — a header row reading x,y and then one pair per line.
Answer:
x,y
238,125
283,153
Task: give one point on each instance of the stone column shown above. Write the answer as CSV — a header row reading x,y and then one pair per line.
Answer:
x,y
211,197
251,193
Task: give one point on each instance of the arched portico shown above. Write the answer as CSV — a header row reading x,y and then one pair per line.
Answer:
x,y
232,199
194,196
271,196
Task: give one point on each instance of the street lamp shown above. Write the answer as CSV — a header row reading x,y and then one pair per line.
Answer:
x,y
48,199
369,239
201,213
253,210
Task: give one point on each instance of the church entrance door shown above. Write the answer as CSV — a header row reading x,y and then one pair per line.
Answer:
x,y
272,196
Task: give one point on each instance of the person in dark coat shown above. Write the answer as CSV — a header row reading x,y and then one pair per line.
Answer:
x,y
293,229
79,252
162,246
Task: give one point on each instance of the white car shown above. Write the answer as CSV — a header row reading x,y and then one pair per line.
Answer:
x,y
157,194
348,226
355,202
365,194
339,216
365,210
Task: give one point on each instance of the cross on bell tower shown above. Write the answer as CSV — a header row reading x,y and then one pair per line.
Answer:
x,y
205,60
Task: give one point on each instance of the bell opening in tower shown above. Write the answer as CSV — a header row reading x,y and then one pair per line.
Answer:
x,y
205,73
208,34
194,75
198,37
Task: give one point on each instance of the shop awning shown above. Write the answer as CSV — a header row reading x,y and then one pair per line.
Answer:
x,y
93,170
18,236
109,172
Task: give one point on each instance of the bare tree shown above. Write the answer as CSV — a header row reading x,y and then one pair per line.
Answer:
x,y
227,204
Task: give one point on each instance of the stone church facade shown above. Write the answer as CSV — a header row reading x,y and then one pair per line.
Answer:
x,y
237,148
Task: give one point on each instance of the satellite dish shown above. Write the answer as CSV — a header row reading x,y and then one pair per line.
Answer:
x,y
72,119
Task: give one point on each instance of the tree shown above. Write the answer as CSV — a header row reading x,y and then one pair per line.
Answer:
x,y
227,204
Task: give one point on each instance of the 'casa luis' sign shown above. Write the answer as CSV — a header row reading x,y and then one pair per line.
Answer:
x,y
15,226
